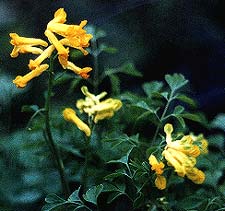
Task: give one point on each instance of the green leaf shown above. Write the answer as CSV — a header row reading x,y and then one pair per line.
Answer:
x,y
180,119
54,202
74,84
108,187
197,117
113,196
186,99
129,69
139,200
100,34
119,173
178,109
29,108
62,78
115,84
92,194
219,121
190,202
74,197
53,207
161,95
53,198
83,207
144,105
175,81
152,87
107,49
123,159
76,54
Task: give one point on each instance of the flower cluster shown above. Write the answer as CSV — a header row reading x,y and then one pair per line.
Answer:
x,y
181,155
96,109
73,36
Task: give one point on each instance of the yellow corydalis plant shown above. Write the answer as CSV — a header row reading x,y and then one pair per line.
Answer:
x,y
70,36
181,154
95,108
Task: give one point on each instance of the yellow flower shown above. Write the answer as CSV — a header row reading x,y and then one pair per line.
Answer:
x,y
96,109
156,166
79,41
73,36
179,160
160,182
195,175
83,72
62,51
59,16
21,81
25,45
45,54
70,115
182,154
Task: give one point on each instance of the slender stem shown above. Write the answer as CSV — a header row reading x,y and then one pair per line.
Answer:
x,y
51,143
84,175
163,115
96,67
87,154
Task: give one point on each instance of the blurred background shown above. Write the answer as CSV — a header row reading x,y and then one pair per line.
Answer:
x,y
158,36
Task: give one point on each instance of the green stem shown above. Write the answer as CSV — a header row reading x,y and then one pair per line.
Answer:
x,y
96,67
85,173
51,143
162,116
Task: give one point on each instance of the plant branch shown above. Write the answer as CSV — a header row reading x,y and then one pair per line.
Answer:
x,y
51,143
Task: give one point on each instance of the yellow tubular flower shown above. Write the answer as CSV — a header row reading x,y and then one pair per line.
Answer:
x,y
59,16
21,81
196,176
160,182
25,45
168,129
70,115
66,30
179,168
106,109
46,54
182,154
83,72
96,109
204,146
156,166
59,47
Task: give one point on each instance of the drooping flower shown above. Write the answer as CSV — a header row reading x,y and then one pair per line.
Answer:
x,y
181,155
21,81
25,45
158,167
73,36
70,115
45,54
95,108
70,36
160,182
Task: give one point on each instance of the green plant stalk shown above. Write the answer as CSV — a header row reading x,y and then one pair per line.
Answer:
x,y
162,116
96,66
51,143
84,175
